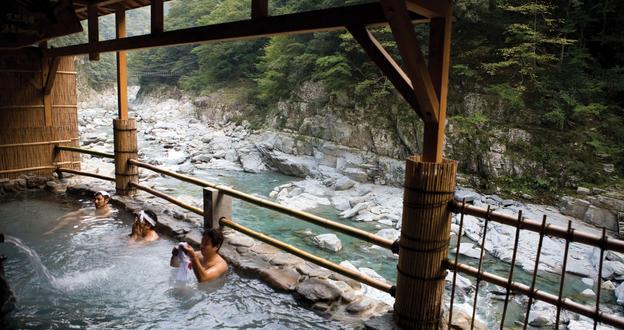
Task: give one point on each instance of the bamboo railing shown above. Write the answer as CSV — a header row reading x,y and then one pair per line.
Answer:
x,y
358,233
362,278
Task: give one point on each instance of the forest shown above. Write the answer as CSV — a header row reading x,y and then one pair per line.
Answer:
x,y
552,68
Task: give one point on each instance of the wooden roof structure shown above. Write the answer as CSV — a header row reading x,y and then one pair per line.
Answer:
x,y
421,82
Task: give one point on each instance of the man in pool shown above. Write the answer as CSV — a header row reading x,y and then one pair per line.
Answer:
x,y
100,201
207,264
102,210
144,227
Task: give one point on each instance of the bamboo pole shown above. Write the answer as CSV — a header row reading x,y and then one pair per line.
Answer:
x,y
381,285
85,151
93,175
36,168
424,241
28,144
358,233
125,149
609,243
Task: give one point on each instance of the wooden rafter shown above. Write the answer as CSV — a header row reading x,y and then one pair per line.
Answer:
x,y
49,82
331,19
428,8
386,63
409,48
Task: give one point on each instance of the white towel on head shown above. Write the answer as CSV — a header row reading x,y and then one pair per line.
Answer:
x,y
184,269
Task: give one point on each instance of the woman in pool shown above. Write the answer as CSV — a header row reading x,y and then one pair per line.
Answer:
x,y
143,228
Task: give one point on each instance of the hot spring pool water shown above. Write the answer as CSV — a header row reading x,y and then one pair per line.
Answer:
x,y
90,277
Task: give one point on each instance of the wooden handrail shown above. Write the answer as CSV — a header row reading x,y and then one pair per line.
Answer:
x,y
93,175
171,199
381,285
85,151
317,220
609,243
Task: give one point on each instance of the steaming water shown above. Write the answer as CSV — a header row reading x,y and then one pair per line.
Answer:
x,y
86,275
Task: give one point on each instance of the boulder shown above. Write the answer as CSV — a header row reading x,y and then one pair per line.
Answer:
x,y
601,217
344,183
619,293
280,279
574,207
329,242
314,289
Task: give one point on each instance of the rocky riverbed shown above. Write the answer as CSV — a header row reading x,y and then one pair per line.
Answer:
x,y
361,186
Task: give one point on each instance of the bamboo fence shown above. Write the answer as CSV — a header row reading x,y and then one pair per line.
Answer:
x,y
28,130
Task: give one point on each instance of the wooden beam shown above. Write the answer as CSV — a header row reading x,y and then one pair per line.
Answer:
x,y
409,48
439,62
331,19
428,8
52,70
122,66
157,16
259,8
94,33
386,63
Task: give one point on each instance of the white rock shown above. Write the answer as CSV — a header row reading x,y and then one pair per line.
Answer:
x,y
589,293
354,210
469,250
588,281
607,285
460,281
344,183
619,293
542,314
341,203
389,233
329,242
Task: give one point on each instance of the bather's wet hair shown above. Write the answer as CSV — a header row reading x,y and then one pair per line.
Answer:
x,y
215,235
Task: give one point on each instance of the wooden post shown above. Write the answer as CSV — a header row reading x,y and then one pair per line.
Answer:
x,y
216,206
425,233
157,16
439,60
122,67
125,148
94,32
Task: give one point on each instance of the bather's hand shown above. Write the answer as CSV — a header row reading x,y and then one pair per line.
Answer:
x,y
188,250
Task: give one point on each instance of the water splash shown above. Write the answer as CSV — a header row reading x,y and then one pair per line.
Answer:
x,y
34,258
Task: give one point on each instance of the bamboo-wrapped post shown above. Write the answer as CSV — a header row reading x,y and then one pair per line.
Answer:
x,y
125,148
424,243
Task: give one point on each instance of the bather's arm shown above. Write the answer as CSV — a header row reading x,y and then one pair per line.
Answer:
x,y
205,274
174,261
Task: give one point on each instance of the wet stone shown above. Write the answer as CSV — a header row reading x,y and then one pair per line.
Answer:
x,y
312,270
280,278
284,259
252,265
240,240
360,305
264,249
314,289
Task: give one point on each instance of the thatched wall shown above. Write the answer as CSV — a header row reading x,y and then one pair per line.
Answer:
x,y
27,139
